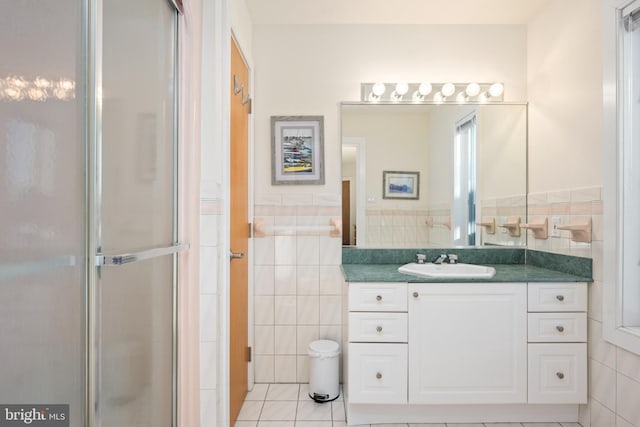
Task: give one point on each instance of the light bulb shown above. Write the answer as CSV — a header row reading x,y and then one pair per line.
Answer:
x,y
402,88
438,97
378,89
496,89
473,89
461,98
424,89
448,89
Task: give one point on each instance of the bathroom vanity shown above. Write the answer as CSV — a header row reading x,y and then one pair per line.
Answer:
x,y
507,349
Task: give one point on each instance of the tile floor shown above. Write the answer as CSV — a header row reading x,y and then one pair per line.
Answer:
x,y
289,405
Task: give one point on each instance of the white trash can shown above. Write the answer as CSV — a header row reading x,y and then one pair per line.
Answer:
x,y
324,370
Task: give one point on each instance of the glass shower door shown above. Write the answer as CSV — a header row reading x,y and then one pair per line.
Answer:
x,y
136,215
42,207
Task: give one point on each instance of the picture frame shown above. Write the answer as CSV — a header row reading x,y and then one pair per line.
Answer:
x,y
297,150
400,185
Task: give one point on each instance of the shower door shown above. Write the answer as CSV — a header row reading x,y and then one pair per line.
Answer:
x,y
42,208
135,213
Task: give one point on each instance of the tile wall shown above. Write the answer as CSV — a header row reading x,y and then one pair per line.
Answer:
x,y
297,281
614,374
210,218
501,211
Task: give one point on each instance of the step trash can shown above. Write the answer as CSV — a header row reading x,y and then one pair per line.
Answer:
x,y
324,370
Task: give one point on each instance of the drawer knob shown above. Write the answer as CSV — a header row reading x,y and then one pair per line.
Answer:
x,y
560,297
416,295
379,328
379,298
560,328
560,375
378,375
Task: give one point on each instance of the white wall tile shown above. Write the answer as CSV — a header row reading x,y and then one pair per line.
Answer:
x,y
308,250
285,280
208,270
601,416
603,384
330,250
264,248
285,340
628,364
208,230
208,317
621,422
304,336
208,365
263,310
302,375
327,199
308,280
599,349
208,408
264,279
628,394
330,280
595,300
268,199
308,310
285,250
264,369
285,369
330,310
285,310
264,339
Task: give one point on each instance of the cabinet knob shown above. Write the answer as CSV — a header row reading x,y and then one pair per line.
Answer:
x,y
560,328
379,328
379,298
378,375
560,297
416,295
560,375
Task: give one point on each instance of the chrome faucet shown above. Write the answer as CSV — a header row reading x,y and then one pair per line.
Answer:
x,y
440,259
421,258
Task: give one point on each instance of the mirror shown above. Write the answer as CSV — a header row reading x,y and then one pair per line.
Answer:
x,y
420,176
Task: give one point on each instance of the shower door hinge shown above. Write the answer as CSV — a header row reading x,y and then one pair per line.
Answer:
x,y
250,230
249,354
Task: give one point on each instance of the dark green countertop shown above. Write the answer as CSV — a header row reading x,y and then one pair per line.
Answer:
x,y
504,273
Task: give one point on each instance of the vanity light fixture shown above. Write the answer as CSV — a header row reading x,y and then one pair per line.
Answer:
x,y
401,89
377,90
425,92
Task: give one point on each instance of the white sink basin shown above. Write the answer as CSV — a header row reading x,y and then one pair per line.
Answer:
x,y
449,271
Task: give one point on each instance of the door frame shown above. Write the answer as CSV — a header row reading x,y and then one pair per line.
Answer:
x,y
361,185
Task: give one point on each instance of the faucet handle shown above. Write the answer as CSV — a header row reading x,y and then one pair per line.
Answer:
x,y
421,258
453,258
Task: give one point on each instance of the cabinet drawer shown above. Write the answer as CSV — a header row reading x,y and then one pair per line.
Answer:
x,y
558,373
378,327
377,373
557,296
557,327
378,297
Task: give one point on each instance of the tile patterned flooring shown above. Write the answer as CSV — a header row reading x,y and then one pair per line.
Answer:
x,y
288,405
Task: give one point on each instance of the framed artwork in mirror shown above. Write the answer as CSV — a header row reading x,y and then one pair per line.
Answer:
x,y
297,150
400,185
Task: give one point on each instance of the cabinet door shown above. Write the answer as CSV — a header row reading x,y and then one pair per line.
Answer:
x,y
377,373
467,343
558,373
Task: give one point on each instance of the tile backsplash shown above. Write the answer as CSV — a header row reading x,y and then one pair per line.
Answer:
x,y
297,281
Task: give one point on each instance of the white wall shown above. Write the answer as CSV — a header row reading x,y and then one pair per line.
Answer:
x,y
305,70
565,95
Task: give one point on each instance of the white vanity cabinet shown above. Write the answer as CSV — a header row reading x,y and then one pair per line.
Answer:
x,y
467,343
464,352
377,329
557,338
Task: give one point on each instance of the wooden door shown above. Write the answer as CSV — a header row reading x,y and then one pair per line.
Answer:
x,y
346,212
239,233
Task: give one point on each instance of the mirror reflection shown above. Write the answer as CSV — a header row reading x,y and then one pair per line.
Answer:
x,y
419,176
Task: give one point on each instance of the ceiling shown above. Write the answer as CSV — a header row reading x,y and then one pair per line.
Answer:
x,y
265,12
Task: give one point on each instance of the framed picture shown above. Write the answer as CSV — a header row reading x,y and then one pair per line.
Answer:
x,y
400,185
297,150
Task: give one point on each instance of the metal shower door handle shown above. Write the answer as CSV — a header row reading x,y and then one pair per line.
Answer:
x,y
236,255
